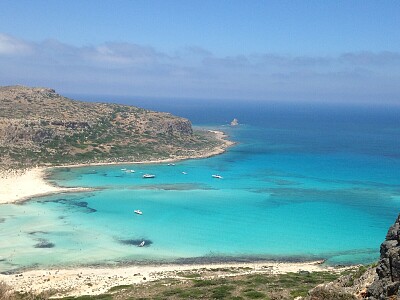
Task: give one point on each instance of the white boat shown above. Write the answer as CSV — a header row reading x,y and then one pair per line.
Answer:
x,y
149,176
130,171
184,173
217,176
141,244
170,164
138,211
123,169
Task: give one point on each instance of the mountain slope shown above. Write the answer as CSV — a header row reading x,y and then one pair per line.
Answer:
x,y
40,127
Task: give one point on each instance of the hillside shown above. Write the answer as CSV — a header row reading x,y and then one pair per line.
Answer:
x,y
40,127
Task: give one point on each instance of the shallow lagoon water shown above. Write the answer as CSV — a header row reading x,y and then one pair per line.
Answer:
x,y
290,190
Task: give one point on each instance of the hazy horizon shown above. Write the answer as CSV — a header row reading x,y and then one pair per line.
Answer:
x,y
328,52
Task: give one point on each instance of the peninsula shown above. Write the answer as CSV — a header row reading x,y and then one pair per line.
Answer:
x,y
40,128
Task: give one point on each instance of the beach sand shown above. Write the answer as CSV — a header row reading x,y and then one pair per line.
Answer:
x,y
18,186
94,281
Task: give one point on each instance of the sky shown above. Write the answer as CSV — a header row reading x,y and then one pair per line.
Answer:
x,y
325,51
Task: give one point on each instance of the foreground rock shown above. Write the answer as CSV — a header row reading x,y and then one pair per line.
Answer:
x,y
348,287
380,283
387,285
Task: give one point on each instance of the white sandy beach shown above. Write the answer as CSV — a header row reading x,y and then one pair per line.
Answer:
x,y
93,281
20,186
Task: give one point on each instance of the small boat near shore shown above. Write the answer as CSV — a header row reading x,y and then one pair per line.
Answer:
x,y
141,244
149,176
138,211
216,176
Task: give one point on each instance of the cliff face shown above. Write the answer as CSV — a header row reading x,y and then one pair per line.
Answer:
x,y
387,286
39,126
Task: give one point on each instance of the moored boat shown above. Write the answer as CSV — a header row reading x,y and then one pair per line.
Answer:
x,y
149,176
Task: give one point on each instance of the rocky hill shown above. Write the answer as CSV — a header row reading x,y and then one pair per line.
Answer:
x,y
40,127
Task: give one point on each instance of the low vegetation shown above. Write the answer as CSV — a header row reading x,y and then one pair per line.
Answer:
x,y
40,127
217,285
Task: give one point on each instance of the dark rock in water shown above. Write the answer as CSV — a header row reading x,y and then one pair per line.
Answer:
x,y
81,204
387,286
136,242
44,244
73,203
37,232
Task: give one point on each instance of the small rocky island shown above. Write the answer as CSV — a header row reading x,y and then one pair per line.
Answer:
x,y
235,122
40,127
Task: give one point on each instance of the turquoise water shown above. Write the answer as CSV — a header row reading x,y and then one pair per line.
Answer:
x,y
292,189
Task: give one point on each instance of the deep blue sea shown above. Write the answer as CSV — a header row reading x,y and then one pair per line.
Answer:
x,y
303,182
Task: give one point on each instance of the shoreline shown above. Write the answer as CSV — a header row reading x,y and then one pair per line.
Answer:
x,y
220,136
18,187
97,280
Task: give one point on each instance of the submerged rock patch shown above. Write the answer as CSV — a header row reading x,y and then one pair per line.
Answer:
x,y
74,203
44,244
37,232
174,187
136,242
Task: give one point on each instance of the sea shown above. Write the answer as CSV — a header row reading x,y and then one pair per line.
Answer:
x,y
304,181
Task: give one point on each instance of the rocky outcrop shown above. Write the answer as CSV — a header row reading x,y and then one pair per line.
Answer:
x,y
387,285
175,126
348,287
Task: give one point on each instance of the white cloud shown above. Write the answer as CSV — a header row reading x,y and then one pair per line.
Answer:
x,y
13,46
126,68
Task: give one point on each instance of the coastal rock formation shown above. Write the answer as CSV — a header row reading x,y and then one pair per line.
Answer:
x,y
387,285
351,286
40,127
380,283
